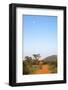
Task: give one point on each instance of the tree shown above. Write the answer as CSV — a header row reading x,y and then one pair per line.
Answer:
x,y
26,67
28,58
36,56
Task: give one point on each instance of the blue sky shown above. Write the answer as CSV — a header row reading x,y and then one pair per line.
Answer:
x,y
40,35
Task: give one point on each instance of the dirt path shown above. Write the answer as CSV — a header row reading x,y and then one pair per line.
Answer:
x,y
43,70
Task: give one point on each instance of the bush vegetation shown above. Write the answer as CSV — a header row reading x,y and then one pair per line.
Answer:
x,y
31,65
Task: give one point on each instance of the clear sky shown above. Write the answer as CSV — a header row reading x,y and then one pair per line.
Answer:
x,y
40,35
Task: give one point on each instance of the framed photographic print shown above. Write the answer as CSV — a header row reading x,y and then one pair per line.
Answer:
x,y
37,44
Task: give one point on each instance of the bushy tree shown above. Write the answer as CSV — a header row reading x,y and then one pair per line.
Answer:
x,y
36,58
26,67
27,63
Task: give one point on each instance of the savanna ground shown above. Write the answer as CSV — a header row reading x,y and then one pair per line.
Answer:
x,y
36,66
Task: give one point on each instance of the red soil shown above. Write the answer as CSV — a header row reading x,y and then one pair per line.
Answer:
x,y
43,70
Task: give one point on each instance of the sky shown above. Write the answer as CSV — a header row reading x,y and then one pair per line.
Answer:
x,y
40,35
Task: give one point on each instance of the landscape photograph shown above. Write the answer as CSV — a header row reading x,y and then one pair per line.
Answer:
x,y
39,54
